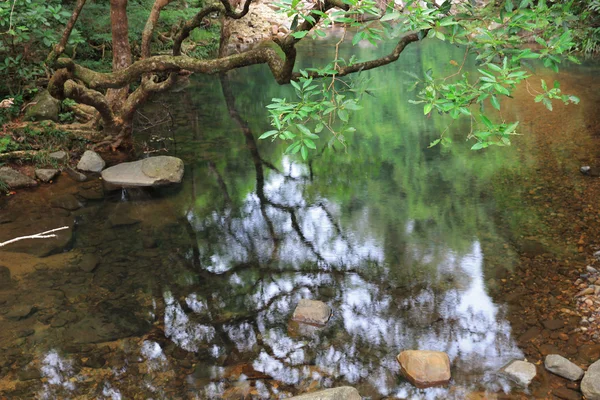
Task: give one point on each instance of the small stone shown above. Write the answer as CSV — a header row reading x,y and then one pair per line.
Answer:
x,y
424,368
591,269
312,312
66,202
585,291
25,333
339,393
562,367
15,179
88,262
553,324
46,174
521,372
590,385
59,156
75,175
529,334
91,161
94,361
597,255
117,220
20,312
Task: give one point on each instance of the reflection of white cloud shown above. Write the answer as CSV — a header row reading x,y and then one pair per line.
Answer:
x,y
178,327
58,372
155,358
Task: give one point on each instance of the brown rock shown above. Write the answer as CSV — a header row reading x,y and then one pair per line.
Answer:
x,y
312,312
424,368
553,324
566,394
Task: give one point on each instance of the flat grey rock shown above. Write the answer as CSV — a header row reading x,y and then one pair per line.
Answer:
x,y
152,171
76,175
15,179
562,367
46,174
59,156
590,385
339,393
91,161
521,372
312,312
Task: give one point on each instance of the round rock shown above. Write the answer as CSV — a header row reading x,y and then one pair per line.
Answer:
x,y
425,368
590,385
562,367
521,372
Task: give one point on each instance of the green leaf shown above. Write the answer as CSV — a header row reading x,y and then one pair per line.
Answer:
x,y
436,141
299,35
427,108
478,146
390,16
268,134
310,144
495,102
304,152
343,115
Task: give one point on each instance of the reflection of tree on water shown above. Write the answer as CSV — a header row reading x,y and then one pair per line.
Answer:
x,y
258,261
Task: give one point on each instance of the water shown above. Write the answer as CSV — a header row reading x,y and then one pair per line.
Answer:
x,y
191,289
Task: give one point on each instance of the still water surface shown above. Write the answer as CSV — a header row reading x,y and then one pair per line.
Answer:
x,y
195,285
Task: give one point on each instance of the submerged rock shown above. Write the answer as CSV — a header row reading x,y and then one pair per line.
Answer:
x,y
521,372
38,247
88,262
153,171
91,161
76,175
15,179
425,368
563,367
590,385
46,174
312,312
20,312
66,202
339,393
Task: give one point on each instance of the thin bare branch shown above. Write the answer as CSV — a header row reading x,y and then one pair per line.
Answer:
x,y
43,235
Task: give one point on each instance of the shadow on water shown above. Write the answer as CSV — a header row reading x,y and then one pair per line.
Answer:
x,y
188,292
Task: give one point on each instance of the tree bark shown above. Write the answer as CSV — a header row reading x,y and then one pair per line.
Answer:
x,y
121,49
60,46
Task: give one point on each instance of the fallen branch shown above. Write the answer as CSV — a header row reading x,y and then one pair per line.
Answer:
x,y
43,235
13,155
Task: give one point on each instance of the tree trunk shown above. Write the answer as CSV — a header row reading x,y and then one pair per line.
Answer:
x,y
121,51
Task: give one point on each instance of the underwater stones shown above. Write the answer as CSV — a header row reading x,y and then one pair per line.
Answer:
x,y
339,393
312,312
425,368
28,225
521,372
152,171
20,312
562,367
91,162
15,179
46,174
590,385
75,175
88,262
66,202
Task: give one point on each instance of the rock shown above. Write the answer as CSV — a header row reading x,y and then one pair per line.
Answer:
x,y
566,394
91,161
553,324
531,333
591,269
14,179
521,372
39,247
597,255
59,156
562,367
94,361
153,171
20,312
589,171
585,291
88,262
91,194
46,174
27,375
312,312
43,107
590,385
66,202
119,219
75,175
339,393
5,280
424,368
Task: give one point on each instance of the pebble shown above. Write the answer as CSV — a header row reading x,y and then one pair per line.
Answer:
x,y
589,290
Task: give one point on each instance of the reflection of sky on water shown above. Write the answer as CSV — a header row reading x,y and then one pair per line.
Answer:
x,y
310,250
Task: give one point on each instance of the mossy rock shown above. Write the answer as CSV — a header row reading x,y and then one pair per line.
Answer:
x,y
43,107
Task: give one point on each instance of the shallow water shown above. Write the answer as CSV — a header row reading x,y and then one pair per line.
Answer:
x,y
194,286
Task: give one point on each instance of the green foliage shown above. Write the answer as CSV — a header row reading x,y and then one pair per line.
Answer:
x,y
494,36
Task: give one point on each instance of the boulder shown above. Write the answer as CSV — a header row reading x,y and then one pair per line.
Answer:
x,y
312,312
91,161
75,175
521,372
590,385
46,174
425,368
339,393
59,156
43,107
152,171
15,179
562,367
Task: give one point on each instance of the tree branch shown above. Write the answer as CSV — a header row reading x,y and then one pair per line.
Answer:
x,y
42,235
151,24
60,46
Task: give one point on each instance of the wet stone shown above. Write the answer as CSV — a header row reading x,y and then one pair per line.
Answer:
x,y
424,368
5,281
339,393
563,367
94,361
521,372
529,334
66,202
88,262
553,324
28,375
76,175
46,174
25,333
566,394
20,312
312,312
590,385
117,220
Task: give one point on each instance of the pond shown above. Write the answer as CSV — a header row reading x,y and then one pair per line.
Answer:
x,y
188,292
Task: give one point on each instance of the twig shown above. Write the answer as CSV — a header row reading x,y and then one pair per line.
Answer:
x,y
42,235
